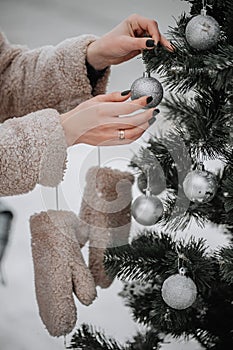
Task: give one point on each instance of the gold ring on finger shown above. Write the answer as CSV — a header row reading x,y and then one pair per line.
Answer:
x,y
121,134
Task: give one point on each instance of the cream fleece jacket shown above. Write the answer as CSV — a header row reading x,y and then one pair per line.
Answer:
x,y
35,86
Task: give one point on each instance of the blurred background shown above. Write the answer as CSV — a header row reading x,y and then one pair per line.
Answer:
x,y
47,22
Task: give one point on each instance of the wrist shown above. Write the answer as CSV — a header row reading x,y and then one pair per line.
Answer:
x,y
94,56
69,132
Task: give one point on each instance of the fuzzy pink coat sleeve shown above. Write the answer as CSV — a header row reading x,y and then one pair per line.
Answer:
x,y
35,86
32,151
47,77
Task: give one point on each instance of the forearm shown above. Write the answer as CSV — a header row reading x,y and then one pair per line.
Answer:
x,y
48,77
32,151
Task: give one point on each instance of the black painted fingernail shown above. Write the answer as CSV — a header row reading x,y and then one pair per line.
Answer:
x,y
126,92
149,99
155,112
151,120
150,43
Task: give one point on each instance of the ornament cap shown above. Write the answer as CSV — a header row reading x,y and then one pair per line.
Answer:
x,y
204,12
200,166
182,271
146,74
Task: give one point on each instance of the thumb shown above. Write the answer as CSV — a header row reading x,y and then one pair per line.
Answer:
x,y
83,282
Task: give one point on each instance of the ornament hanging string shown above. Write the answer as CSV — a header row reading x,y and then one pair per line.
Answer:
x,y
200,157
181,259
204,10
146,69
204,4
57,197
57,208
99,155
148,189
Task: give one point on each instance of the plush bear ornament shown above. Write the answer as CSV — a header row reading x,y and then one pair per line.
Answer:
x,y
105,216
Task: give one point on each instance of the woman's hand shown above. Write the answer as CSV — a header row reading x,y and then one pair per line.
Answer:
x,y
125,41
97,121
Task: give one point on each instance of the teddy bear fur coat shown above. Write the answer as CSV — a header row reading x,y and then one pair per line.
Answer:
x,y
35,87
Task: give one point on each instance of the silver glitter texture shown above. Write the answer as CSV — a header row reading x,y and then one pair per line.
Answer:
x,y
202,32
147,86
200,186
147,210
179,292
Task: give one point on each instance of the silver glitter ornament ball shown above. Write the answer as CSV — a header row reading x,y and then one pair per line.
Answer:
x,y
179,292
202,32
147,86
200,186
147,210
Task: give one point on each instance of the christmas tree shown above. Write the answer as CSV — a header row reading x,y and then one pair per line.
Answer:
x,y
180,287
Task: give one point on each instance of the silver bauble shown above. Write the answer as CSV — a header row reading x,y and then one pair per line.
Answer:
x,y
200,186
202,32
157,182
179,292
147,210
147,86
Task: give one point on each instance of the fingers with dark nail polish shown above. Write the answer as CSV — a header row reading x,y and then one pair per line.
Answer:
x,y
126,92
155,112
150,43
149,99
151,120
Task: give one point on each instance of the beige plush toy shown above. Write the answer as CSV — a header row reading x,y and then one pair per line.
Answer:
x,y
59,270
105,216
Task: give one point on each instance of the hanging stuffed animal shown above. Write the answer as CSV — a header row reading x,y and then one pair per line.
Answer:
x,y
105,216
59,267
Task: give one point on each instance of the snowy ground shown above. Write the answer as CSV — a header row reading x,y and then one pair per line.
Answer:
x,y
41,22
